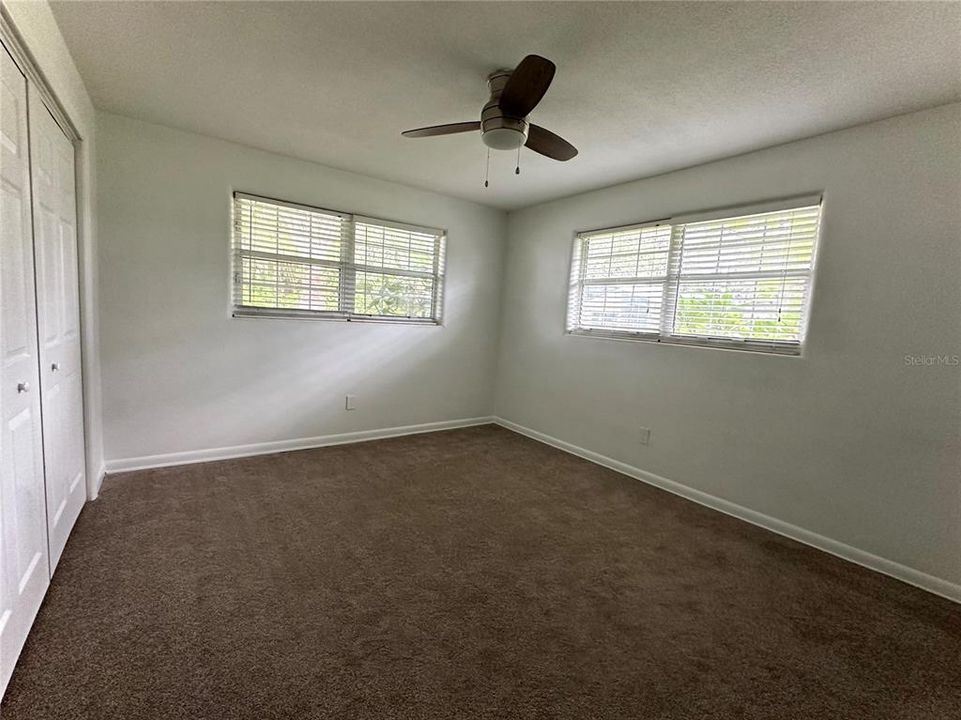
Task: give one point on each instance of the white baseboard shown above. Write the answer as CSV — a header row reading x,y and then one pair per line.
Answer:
x,y
276,446
932,584
98,483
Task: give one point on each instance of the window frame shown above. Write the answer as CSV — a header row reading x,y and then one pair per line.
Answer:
x,y
346,266
666,327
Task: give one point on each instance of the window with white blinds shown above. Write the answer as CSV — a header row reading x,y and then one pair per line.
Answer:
x,y
292,260
737,281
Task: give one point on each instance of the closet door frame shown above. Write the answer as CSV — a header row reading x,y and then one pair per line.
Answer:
x,y
36,81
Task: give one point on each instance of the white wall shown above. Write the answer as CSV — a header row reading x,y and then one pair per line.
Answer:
x,y
847,441
35,24
180,374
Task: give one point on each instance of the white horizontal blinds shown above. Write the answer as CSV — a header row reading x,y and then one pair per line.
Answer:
x,y
287,257
745,278
398,270
739,281
617,280
297,260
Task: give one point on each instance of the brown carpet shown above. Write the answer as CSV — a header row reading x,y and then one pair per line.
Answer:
x,y
465,574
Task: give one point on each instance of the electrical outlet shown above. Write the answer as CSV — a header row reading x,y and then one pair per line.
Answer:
x,y
349,402
645,436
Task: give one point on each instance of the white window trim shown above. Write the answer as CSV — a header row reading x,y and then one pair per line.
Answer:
x,y
347,267
665,334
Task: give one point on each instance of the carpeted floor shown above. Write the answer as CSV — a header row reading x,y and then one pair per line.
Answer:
x,y
465,574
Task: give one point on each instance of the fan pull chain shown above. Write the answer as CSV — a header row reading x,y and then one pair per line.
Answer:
x,y
487,171
517,170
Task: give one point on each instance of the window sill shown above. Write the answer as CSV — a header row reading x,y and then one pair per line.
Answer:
x,y
784,350
266,313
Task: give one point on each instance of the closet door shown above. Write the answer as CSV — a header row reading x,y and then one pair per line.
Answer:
x,y
24,572
58,322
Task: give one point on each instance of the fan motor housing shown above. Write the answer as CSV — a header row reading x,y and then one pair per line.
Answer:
x,y
499,131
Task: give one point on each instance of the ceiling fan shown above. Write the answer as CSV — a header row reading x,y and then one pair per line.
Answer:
x,y
503,123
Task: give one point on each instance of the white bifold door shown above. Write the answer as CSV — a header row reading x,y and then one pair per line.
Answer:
x,y
42,485
23,523
58,322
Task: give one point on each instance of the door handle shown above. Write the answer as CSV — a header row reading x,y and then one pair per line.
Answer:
x,y
23,387
54,367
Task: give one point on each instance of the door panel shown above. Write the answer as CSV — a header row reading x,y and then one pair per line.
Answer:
x,y
58,320
24,568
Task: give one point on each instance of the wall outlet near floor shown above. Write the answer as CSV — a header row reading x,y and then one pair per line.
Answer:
x,y
645,436
349,402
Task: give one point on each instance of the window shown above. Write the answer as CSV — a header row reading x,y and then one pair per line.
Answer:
x,y
738,282
293,260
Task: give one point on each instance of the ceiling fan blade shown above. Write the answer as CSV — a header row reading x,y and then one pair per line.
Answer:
x,y
547,143
526,86
449,129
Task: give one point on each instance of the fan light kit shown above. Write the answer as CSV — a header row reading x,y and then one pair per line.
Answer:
x,y
503,123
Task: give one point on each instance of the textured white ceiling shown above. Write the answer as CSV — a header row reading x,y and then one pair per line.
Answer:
x,y
641,88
